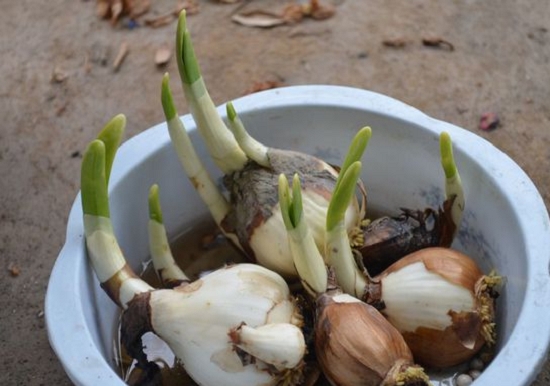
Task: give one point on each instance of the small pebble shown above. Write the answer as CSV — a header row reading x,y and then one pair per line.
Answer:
x,y
162,56
476,364
464,380
474,374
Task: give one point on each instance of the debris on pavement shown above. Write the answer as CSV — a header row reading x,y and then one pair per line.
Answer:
x,y
162,56
489,121
115,10
264,85
259,18
290,14
395,42
58,75
437,42
14,270
120,56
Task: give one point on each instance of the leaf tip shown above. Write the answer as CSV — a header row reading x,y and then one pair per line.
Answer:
x,y
155,211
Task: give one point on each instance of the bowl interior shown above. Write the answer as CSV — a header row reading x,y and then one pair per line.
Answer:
x,y
401,168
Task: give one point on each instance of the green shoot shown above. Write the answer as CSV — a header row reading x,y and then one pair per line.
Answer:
x,y
185,53
111,136
297,205
307,259
221,143
355,151
192,164
447,158
251,147
454,190
342,195
155,212
167,100
95,201
285,201
169,272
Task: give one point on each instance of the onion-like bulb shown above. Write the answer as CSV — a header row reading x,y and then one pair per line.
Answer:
x,y
226,328
250,217
441,302
354,343
437,298
387,239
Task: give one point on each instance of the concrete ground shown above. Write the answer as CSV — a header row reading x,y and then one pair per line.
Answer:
x,y
58,88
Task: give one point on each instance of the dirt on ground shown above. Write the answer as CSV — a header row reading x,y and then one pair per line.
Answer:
x,y
457,61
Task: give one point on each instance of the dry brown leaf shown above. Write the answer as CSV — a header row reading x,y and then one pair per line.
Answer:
x,y
103,8
191,7
318,11
162,56
117,7
160,21
395,42
120,56
293,13
437,42
265,85
229,1
136,8
259,18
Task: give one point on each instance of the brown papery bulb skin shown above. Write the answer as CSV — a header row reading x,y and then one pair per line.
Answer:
x,y
454,266
355,345
468,330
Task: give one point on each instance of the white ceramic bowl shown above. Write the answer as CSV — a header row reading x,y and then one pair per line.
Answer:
x,y
505,225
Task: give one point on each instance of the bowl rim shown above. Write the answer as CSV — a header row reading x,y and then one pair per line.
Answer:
x,y
531,213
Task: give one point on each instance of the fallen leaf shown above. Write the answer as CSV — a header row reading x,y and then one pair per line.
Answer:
x,y
117,7
120,56
395,42
293,13
437,42
160,21
136,8
265,85
162,56
191,7
258,18
489,121
103,8
290,14
317,11
228,1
